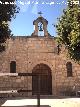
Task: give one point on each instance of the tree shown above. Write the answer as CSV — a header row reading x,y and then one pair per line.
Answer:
x,y
8,9
68,29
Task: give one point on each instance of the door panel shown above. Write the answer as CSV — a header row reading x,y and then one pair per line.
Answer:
x,y
45,81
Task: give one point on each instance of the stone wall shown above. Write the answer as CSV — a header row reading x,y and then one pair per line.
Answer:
x,y
28,52
14,82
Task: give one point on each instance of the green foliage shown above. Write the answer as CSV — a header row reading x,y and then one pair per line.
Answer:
x,y
7,11
68,29
4,31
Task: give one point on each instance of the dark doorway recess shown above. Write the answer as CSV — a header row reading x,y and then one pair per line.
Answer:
x,y
45,80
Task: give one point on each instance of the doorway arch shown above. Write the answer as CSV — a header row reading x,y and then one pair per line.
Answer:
x,y
45,81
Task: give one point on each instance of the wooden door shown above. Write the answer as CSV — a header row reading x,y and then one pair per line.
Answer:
x,y
45,80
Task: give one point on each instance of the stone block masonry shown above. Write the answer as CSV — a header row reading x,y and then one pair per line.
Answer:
x,y
28,52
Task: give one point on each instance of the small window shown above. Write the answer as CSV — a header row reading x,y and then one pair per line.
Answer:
x,y
69,69
13,67
57,49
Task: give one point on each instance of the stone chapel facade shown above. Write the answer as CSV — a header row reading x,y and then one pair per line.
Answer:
x,y
38,55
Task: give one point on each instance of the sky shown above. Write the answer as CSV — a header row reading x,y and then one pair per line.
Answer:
x,y
22,25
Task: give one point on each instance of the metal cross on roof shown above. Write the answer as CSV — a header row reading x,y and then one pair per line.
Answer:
x,y
40,13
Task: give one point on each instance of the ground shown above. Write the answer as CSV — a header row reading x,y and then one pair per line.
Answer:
x,y
52,102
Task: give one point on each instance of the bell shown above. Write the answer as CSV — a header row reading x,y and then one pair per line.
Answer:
x,y
40,28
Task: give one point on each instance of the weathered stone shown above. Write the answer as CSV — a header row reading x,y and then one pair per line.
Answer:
x,y
18,80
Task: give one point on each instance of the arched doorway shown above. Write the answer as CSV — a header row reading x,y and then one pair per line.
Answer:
x,y
45,81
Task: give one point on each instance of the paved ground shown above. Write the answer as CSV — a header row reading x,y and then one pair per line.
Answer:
x,y
55,102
